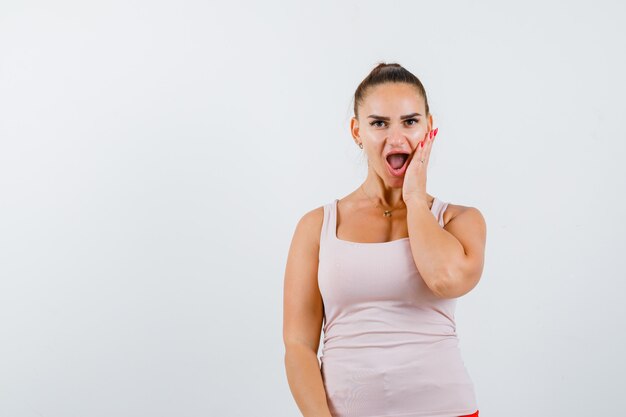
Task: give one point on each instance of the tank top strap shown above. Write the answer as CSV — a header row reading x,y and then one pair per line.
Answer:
x,y
328,223
438,208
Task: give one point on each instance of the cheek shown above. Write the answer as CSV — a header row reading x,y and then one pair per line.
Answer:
x,y
417,138
418,134
377,135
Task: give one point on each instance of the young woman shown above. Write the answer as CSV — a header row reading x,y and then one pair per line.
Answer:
x,y
380,269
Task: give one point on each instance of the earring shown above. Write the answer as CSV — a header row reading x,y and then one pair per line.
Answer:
x,y
361,145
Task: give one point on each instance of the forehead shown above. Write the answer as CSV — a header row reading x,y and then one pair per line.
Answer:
x,y
394,98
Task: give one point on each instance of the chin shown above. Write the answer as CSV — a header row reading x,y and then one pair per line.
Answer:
x,y
394,182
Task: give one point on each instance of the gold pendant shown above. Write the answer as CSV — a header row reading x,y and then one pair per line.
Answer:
x,y
387,213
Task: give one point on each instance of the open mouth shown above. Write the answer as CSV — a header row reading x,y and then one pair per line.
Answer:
x,y
397,163
397,160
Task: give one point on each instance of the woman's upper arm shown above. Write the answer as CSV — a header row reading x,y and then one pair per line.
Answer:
x,y
470,229
303,309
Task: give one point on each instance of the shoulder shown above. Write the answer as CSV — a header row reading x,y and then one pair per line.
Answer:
x,y
467,225
309,226
465,222
461,213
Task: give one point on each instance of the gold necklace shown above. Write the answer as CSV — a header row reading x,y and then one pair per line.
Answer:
x,y
386,213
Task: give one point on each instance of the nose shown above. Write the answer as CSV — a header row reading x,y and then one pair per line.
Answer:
x,y
397,137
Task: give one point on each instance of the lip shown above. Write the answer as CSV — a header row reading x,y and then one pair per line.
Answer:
x,y
397,172
393,152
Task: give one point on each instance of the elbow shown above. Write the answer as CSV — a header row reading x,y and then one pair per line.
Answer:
x,y
456,284
443,286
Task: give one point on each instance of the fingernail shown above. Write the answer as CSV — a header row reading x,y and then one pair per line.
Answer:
x,y
436,130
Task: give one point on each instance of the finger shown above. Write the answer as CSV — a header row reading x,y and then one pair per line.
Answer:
x,y
421,142
429,144
429,141
423,151
426,156
417,150
419,155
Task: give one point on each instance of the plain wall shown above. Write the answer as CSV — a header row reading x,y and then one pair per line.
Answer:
x,y
156,156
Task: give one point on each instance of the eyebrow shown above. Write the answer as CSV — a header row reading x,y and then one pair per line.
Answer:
x,y
387,118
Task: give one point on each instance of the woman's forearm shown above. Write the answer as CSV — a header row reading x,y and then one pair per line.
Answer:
x,y
435,251
305,381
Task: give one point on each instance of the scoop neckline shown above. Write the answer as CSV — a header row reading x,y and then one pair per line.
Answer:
x,y
334,227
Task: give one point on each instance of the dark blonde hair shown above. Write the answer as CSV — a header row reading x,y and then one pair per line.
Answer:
x,y
387,73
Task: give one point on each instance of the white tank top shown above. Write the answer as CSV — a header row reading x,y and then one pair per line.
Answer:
x,y
390,345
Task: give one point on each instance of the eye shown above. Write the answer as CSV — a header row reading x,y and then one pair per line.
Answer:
x,y
413,120
376,121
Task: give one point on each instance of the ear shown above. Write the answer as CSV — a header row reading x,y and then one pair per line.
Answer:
x,y
430,122
354,127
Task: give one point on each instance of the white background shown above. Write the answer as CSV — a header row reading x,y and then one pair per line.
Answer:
x,y
156,156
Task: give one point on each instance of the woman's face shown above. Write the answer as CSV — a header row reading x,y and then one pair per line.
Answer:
x,y
392,118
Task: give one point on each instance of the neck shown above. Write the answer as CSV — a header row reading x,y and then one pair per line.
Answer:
x,y
381,193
